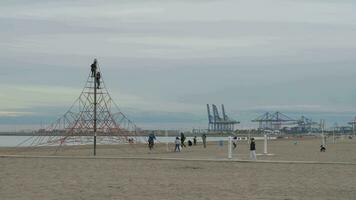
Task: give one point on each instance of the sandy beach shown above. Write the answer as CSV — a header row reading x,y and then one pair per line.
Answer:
x,y
107,177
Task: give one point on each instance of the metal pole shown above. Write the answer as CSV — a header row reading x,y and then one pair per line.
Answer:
x,y
94,112
334,135
322,133
353,127
229,146
167,144
265,145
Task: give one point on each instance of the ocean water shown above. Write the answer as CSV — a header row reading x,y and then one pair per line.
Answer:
x,y
13,141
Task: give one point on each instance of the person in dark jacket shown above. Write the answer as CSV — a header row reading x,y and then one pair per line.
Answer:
x,y
203,137
195,140
190,143
151,139
322,148
182,139
234,142
253,149
98,76
93,68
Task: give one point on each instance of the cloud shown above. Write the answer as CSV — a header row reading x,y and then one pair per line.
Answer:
x,y
14,114
176,56
27,96
304,108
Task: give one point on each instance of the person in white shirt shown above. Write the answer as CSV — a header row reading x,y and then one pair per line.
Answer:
x,y
178,143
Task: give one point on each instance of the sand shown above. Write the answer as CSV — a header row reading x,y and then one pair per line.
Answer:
x,y
84,178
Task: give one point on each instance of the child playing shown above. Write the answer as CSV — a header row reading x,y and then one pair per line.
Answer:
x,y
178,143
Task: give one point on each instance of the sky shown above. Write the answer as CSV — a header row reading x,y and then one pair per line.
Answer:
x,y
163,61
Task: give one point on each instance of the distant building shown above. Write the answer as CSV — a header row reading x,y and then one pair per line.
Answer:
x,y
220,124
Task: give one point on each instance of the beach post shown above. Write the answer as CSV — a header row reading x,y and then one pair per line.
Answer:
x,y
265,144
229,146
323,139
334,136
322,124
353,127
167,145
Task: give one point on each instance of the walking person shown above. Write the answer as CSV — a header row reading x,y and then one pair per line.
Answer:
x,y
177,147
182,139
195,140
151,139
203,137
234,142
253,149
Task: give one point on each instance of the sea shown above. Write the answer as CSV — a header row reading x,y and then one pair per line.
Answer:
x,y
25,141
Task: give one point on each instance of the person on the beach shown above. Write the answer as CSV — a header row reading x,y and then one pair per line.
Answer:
x,y
93,68
322,148
151,139
182,139
131,140
98,76
190,143
253,149
195,140
177,147
203,137
234,142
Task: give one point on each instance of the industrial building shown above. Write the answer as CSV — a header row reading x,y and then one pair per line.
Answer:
x,y
220,124
281,122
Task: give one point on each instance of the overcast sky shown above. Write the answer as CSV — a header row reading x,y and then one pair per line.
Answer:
x,y
164,60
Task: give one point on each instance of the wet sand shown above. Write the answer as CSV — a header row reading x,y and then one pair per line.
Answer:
x,y
61,178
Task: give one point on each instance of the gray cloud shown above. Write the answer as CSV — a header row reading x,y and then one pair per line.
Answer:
x,y
176,56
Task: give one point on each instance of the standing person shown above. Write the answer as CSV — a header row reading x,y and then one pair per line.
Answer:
x,y
322,148
93,68
190,143
151,139
177,142
204,140
253,149
182,139
234,142
98,76
195,140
